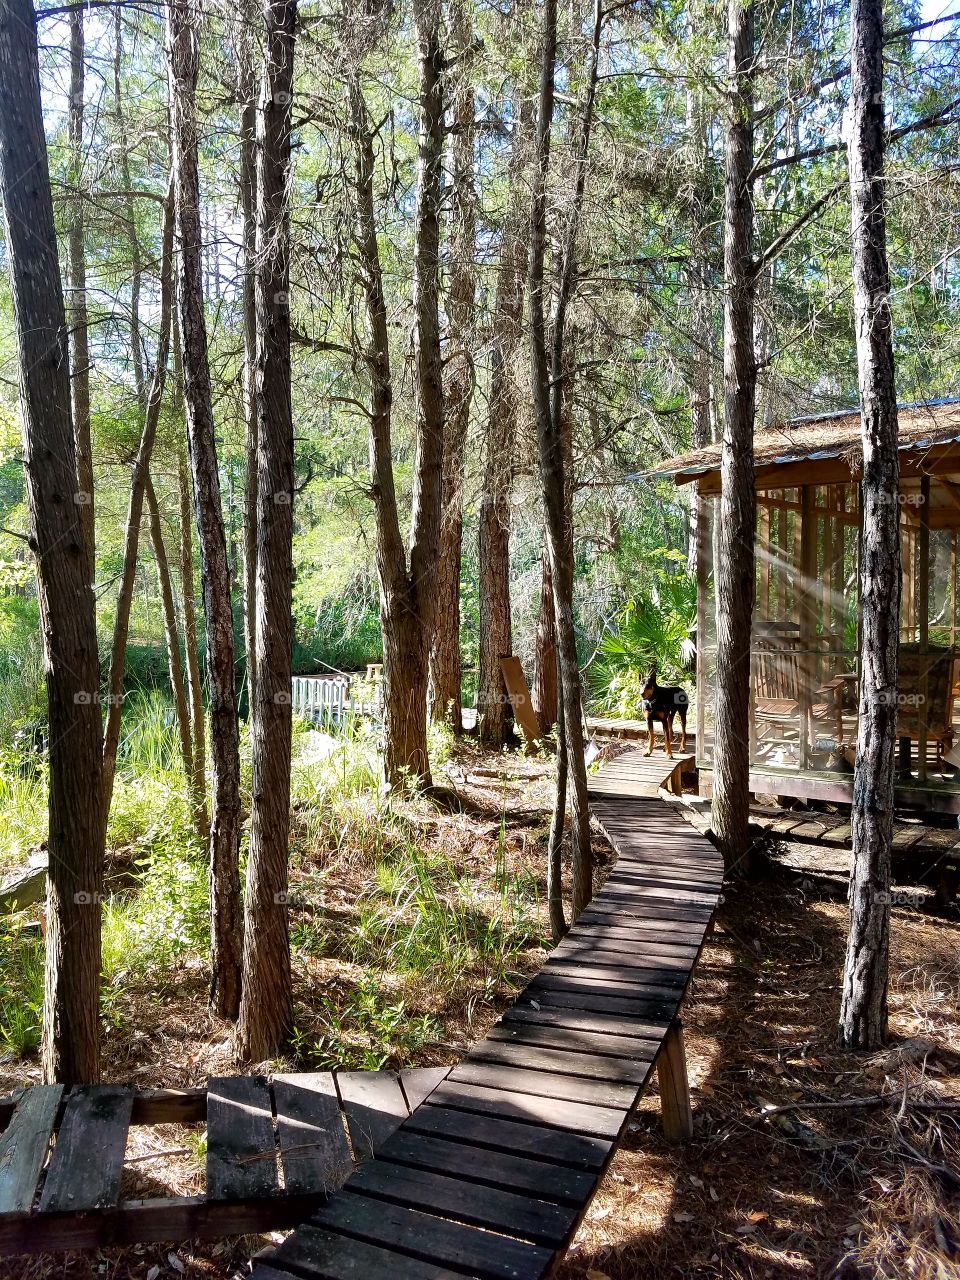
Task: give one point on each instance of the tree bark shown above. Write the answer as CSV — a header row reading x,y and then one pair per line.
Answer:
x,y
446,675
77,279
178,685
138,482
863,1009
701,311
406,683
245,47
198,726
71,1017
493,533
266,1006
225,907
549,369
544,692
734,568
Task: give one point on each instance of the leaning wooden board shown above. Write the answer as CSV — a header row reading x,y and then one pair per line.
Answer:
x,y
276,1150
490,1177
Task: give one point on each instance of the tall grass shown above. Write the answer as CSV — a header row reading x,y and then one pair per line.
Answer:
x,y
21,991
423,917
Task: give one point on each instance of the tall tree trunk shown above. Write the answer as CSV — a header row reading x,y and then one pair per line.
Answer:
x,y
734,566
77,279
406,685
71,1015
138,482
245,49
226,931
191,642
863,1009
391,557
178,685
701,311
549,369
544,692
493,533
266,1006
558,923
445,664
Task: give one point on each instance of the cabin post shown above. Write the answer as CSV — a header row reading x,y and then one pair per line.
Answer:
x,y
807,616
704,555
923,617
675,1110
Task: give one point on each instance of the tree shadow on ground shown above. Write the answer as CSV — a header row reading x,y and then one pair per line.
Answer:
x,y
805,1192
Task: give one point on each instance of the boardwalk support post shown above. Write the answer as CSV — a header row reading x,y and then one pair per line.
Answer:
x,y
675,1110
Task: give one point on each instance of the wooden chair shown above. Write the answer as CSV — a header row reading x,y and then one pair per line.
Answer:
x,y
929,708
784,665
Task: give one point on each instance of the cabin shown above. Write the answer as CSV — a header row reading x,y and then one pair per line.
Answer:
x,y
805,642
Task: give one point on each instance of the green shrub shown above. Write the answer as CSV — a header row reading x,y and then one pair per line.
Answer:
x,y
655,629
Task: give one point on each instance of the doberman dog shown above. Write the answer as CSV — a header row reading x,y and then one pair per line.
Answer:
x,y
663,703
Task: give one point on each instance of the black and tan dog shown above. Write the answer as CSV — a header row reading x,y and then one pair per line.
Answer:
x,y
663,703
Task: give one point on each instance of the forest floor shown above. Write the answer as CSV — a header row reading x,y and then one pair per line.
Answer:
x,y
834,1186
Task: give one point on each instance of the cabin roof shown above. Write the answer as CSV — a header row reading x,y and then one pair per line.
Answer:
x,y
827,436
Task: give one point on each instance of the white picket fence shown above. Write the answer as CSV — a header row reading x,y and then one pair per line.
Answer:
x,y
329,699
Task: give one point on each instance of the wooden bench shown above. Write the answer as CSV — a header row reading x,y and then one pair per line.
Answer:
x,y
275,1151
490,1176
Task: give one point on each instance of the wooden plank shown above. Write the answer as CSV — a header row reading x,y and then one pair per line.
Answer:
x,y
241,1150
421,1235
578,1117
552,993
314,1152
615,980
640,1049
87,1161
493,1208
496,1133
527,1012
322,1253
515,683
23,1147
155,1219
418,1083
494,1168
543,1084
374,1105
25,886
169,1106
674,1088
575,1063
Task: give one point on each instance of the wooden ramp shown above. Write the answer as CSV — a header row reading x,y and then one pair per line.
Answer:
x,y
275,1151
490,1176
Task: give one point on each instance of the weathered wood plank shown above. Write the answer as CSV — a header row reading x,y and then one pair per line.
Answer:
x,y
324,1254
418,1083
578,1117
525,1217
551,1086
87,1161
241,1148
495,1168
637,1048
497,1133
374,1105
575,1063
23,1147
314,1152
421,1235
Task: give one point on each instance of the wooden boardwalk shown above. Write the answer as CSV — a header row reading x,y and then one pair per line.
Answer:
x,y
489,1177
275,1151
